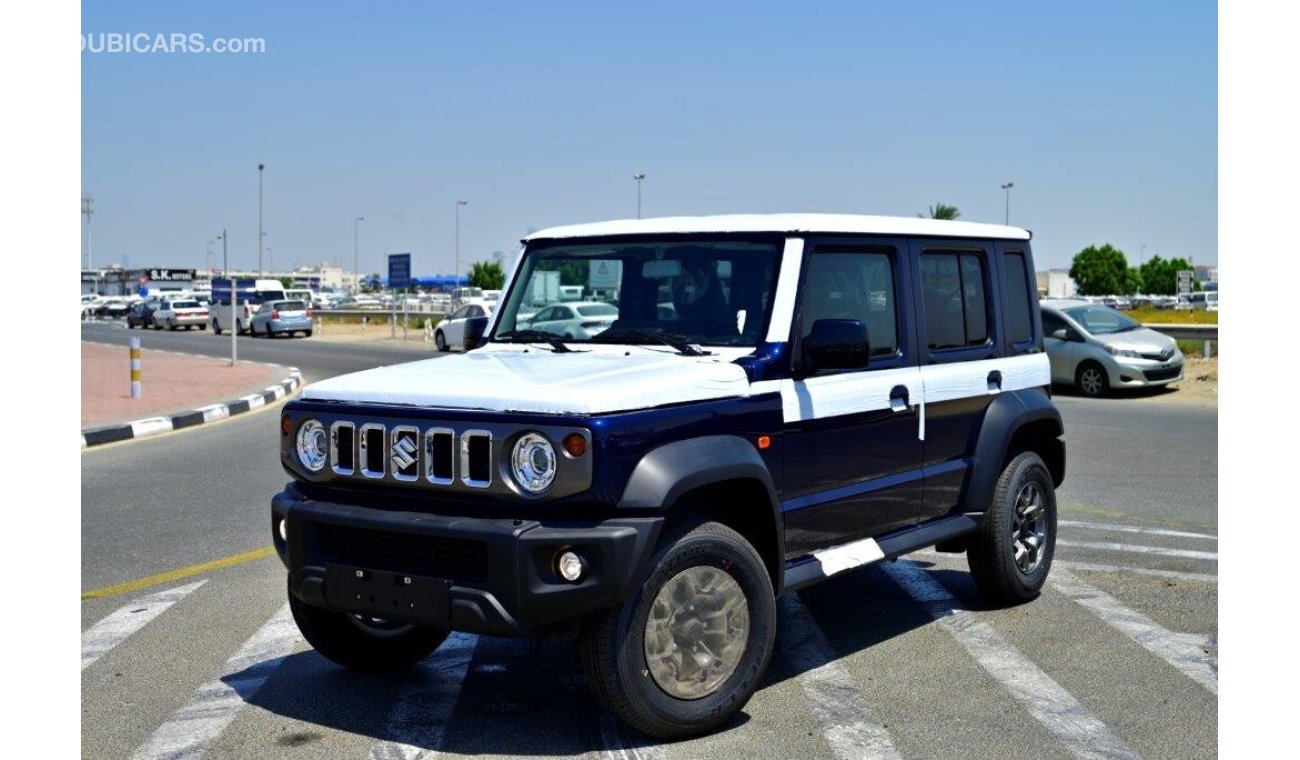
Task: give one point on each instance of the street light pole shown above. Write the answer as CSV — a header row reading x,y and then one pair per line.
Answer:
x,y
1007,187
356,272
457,274
88,209
260,167
225,268
638,176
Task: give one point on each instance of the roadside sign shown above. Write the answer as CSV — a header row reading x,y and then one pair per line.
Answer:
x,y
604,274
399,270
1185,280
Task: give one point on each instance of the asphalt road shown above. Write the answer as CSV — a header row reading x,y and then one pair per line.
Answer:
x,y
1120,647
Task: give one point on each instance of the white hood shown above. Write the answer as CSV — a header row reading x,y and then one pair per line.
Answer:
x,y
512,380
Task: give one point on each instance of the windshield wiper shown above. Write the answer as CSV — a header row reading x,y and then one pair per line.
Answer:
x,y
536,336
676,342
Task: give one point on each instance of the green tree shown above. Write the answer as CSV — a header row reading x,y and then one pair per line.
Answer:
x,y
287,282
487,275
941,211
1160,276
1099,271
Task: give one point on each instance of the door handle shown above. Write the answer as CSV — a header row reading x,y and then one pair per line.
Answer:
x,y
898,398
995,381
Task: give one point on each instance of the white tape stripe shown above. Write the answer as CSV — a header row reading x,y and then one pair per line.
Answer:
x,y
1134,529
418,721
141,428
835,701
194,726
1138,549
848,556
787,291
1180,651
101,637
958,380
1051,705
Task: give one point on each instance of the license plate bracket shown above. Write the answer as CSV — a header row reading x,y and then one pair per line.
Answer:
x,y
380,593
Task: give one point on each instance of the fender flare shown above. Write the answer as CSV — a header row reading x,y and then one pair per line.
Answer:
x,y
1007,414
665,473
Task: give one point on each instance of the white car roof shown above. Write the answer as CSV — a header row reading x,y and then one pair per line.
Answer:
x,y
787,223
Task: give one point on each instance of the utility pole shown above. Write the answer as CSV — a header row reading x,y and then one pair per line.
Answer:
x,y
638,176
1007,187
225,268
260,167
356,271
458,205
88,210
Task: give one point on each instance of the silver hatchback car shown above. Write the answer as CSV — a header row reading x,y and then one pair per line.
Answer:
x,y
1095,348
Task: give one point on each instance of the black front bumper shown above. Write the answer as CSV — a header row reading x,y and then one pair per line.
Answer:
x,y
490,576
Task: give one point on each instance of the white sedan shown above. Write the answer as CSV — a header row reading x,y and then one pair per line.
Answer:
x,y
450,332
580,320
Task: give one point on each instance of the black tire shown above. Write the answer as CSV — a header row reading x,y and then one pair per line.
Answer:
x,y
216,327
203,326
613,641
306,333
440,341
130,325
991,552
1091,381
340,639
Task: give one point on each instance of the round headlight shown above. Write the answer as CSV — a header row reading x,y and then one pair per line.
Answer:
x,y
533,463
312,446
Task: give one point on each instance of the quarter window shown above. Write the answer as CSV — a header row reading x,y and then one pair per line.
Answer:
x,y
1015,284
956,306
853,285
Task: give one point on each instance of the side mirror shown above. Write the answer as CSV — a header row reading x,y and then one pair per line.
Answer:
x,y
474,329
835,344
1061,334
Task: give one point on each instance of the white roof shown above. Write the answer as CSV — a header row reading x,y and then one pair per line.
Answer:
x,y
787,223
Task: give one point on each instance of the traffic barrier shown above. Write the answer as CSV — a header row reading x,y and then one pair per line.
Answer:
x,y
135,368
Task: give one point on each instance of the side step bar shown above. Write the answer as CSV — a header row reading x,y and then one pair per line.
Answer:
x,y
823,563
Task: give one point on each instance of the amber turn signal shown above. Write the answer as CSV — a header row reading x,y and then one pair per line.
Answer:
x,y
286,425
764,441
575,445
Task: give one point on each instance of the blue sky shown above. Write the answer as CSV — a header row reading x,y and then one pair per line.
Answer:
x,y
1103,114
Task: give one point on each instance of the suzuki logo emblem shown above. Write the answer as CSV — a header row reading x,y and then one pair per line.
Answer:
x,y
403,448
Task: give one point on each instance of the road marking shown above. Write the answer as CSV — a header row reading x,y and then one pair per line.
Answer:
x,y
175,575
1173,574
1054,707
1182,651
418,722
1135,529
121,624
189,730
837,704
617,747
1138,549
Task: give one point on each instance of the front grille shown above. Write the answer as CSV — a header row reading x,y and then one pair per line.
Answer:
x,y
403,453
1159,356
433,556
1163,374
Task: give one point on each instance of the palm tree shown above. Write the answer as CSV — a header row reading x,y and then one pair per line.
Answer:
x,y
941,211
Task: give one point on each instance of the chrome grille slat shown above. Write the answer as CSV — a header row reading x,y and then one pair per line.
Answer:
x,y
436,470
363,450
336,430
471,463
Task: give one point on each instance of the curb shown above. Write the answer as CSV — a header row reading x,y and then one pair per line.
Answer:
x,y
126,431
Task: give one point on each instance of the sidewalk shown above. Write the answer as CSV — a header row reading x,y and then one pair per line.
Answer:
x,y
178,390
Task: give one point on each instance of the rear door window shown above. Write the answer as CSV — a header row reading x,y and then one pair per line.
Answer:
x,y
954,294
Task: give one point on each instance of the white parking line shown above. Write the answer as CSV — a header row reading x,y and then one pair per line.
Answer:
x,y
1179,650
1113,527
837,704
118,627
192,728
418,722
1059,712
1138,549
1173,574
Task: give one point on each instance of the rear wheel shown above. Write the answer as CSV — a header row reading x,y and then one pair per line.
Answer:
x,y
364,643
1090,379
1011,554
306,333
685,652
440,341
216,327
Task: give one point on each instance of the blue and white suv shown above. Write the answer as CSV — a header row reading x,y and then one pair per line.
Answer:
x,y
825,392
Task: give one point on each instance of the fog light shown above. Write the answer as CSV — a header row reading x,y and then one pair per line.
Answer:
x,y
284,531
571,566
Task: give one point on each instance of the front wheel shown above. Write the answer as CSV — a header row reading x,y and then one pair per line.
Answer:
x,y
685,652
1090,379
364,643
1011,554
440,341
216,327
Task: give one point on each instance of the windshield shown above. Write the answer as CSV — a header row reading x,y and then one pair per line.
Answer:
x,y
709,292
185,304
1101,320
